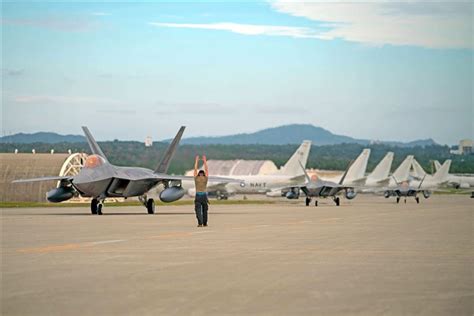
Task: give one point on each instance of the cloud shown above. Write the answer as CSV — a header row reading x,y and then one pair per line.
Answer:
x,y
418,23
249,29
71,24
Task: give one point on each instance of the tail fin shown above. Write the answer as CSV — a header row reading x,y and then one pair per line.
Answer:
x,y
93,144
306,175
442,173
166,160
437,165
343,178
300,157
418,169
357,170
382,170
402,172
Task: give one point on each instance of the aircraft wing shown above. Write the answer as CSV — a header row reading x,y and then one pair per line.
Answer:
x,y
58,178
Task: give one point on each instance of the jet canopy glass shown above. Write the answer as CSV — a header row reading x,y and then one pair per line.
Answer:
x,y
94,161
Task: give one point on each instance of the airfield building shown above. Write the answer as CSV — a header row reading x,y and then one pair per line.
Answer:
x,y
29,165
239,167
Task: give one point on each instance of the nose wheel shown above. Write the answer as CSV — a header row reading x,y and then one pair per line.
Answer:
x,y
337,200
308,201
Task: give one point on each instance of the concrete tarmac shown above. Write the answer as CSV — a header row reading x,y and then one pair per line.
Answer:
x,y
369,256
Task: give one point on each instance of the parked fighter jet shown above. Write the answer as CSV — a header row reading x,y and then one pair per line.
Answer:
x,y
99,179
404,189
462,181
317,188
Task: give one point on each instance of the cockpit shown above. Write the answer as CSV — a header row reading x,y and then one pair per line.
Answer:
x,y
94,161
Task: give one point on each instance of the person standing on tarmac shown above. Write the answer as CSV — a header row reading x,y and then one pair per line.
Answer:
x,y
200,201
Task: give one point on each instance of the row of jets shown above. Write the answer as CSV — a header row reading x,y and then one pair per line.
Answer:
x,y
99,180
292,180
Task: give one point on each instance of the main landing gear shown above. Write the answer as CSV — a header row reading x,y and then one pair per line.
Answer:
x,y
336,200
96,207
148,203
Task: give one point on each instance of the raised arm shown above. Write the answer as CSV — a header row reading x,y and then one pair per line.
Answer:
x,y
206,170
196,163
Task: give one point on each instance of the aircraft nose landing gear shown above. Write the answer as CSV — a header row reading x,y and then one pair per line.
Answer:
x,y
337,201
308,201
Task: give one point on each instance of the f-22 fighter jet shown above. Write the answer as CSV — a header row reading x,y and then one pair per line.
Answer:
x,y
99,179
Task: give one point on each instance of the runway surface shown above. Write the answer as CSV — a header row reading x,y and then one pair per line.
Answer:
x,y
369,256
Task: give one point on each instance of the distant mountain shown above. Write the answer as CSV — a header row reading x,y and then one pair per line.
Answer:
x,y
42,137
282,135
287,134
295,134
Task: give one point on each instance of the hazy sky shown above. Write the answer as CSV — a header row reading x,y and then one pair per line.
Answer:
x,y
376,70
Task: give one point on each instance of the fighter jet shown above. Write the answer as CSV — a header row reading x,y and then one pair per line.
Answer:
x,y
464,181
99,179
317,188
404,189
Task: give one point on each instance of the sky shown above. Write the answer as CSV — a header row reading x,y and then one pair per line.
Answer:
x,y
375,70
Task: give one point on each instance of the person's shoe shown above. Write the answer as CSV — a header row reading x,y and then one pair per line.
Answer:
x,y
205,225
199,225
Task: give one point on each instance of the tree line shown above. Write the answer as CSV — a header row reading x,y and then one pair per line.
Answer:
x,y
329,157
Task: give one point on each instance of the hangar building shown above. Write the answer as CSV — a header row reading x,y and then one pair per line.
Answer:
x,y
27,165
239,167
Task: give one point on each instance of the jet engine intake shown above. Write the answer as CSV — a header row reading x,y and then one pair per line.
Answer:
x,y
172,194
350,194
426,193
294,193
60,194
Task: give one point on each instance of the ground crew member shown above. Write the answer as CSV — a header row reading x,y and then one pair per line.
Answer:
x,y
200,200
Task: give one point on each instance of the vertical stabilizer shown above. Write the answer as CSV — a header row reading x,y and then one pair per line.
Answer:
x,y
382,170
356,171
166,160
402,172
93,144
418,171
437,165
292,166
443,172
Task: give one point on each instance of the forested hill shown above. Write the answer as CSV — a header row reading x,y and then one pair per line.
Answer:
x,y
293,134
42,137
282,135
333,157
